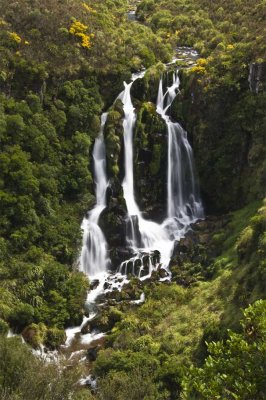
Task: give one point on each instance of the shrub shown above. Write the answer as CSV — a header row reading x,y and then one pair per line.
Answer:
x,y
3,327
54,338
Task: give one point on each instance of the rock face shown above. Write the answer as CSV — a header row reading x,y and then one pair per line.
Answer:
x,y
228,137
257,76
92,353
150,161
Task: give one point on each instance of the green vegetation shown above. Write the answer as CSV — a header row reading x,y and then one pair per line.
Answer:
x,y
24,376
163,337
235,368
60,65
202,336
208,27
217,108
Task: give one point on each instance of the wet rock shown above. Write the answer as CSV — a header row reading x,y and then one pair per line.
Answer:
x,y
86,328
138,89
107,285
257,76
163,273
204,238
132,230
92,353
155,276
94,284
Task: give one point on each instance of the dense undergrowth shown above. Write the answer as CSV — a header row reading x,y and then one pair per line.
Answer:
x,y
158,341
57,65
61,64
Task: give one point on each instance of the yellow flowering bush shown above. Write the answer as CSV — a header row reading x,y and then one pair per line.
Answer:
x,y
197,69
202,62
80,31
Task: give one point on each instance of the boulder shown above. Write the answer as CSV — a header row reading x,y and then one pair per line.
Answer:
x,y
94,284
92,353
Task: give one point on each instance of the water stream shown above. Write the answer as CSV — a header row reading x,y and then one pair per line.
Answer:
x,y
94,259
183,202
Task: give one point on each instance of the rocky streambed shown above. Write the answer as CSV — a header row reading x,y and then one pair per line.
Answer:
x,y
113,294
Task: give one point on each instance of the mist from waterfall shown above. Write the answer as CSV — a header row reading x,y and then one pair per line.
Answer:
x,y
94,259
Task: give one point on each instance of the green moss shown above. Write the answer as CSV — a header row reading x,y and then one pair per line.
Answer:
x,y
156,159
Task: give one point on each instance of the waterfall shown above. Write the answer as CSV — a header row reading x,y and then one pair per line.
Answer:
x,y
146,238
183,200
93,259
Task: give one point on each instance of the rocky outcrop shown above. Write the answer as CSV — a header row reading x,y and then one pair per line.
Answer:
x,y
150,161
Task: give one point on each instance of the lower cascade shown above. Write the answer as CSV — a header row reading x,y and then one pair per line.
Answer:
x,y
151,243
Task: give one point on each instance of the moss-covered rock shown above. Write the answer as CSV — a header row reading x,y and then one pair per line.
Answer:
x,y
35,334
114,139
104,320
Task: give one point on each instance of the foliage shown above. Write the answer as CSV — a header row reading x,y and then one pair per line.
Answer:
x,y
215,104
22,375
166,336
235,368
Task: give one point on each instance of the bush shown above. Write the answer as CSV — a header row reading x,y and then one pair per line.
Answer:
x,y
136,385
21,316
54,338
3,327
235,368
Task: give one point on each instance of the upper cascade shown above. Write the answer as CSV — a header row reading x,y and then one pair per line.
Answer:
x,y
94,259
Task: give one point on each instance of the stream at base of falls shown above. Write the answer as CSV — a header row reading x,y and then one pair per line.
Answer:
x,y
150,243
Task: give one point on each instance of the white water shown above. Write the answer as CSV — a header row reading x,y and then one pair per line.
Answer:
x,y
153,236
183,203
93,259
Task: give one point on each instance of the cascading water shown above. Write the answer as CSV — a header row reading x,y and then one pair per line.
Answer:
x,y
151,243
152,235
93,259
183,200
144,237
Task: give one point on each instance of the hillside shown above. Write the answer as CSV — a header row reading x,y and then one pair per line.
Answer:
x,y
200,333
